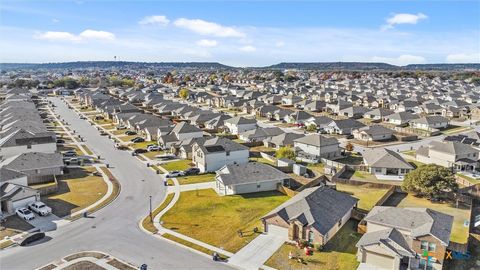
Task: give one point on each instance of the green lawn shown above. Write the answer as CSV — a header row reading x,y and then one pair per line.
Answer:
x,y
262,160
127,138
178,165
459,231
409,153
367,196
353,159
214,219
142,145
455,129
339,253
147,222
76,190
193,179
151,155
318,168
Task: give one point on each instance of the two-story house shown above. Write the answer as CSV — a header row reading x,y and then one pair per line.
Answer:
x,y
313,147
217,152
404,238
450,154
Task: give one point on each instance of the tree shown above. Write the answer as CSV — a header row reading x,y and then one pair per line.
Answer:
x,y
349,147
184,93
430,180
285,152
311,128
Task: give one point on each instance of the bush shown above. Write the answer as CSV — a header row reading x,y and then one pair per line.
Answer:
x,y
285,152
430,180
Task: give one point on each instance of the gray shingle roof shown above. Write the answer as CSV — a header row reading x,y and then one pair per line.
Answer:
x,y
251,172
384,158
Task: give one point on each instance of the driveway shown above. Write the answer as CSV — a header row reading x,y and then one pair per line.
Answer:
x,y
257,252
47,223
113,229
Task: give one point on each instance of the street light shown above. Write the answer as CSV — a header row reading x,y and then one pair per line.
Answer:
x,y
151,217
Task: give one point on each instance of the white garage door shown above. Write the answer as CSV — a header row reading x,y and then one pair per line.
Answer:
x,y
22,202
277,231
380,261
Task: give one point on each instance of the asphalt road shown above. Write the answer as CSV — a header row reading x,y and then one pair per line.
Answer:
x,y
114,229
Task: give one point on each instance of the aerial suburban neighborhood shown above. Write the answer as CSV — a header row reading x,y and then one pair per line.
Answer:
x,y
200,165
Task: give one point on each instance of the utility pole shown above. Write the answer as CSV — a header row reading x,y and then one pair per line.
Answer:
x,y
151,217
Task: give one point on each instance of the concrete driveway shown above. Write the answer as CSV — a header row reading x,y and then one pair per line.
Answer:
x,y
257,252
47,223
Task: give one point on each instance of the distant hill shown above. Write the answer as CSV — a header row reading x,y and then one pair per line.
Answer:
x,y
114,64
334,66
321,66
351,66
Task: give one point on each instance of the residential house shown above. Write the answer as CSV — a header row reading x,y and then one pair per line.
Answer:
x,y
314,215
239,124
343,126
404,238
430,122
373,133
313,147
248,178
386,164
217,152
450,154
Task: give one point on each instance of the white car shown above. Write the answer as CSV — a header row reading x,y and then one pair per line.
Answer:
x,y
153,148
25,213
175,174
40,208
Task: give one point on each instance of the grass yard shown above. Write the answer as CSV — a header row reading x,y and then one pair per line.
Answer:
x,y
410,153
178,165
68,147
119,132
203,215
151,155
191,245
89,152
353,159
76,190
128,138
339,253
262,149
455,129
147,222
262,160
367,195
318,168
194,179
415,163
459,231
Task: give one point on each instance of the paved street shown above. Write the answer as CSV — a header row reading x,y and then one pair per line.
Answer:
x,y
114,229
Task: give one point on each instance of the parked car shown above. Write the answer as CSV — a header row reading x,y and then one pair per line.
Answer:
x,y
60,141
33,237
137,139
70,153
40,208
25,213
121,147
99,118
139,151
191,171
83,117
165,157
174,174
120,127
103,133
130,133
153,148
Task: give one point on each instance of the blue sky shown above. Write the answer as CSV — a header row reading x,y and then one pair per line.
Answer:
x,y
241,33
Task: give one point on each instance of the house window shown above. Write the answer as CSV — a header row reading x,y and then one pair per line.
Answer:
x,y
431,246
258,185
424,245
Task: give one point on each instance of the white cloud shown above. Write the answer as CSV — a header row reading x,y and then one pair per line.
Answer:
x,y
97,35
404,18
402,60
55,20
56,36
155,20
83,36
248,48
207,43
208,28
463,58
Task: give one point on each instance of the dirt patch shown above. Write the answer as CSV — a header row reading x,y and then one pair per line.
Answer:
x,y
120,265
84,265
